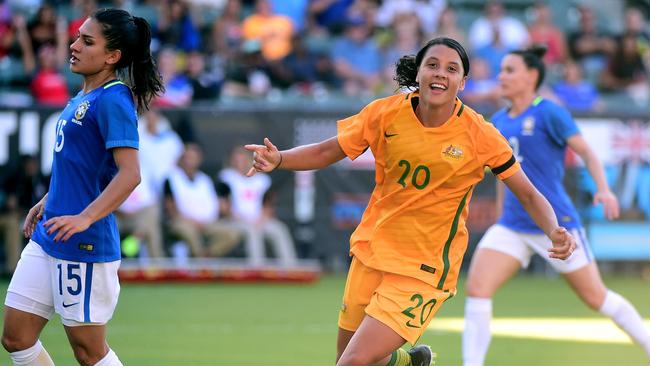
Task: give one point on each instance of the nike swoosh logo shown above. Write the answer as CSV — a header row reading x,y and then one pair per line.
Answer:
x,y
68,305
389,134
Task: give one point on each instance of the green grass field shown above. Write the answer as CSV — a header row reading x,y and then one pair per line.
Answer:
x,y
282,325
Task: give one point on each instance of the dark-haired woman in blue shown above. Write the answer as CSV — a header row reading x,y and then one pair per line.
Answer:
x,y
69,266
539,132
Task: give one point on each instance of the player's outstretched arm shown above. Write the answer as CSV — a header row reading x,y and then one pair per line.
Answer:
x,y
542,213
604,195
267,157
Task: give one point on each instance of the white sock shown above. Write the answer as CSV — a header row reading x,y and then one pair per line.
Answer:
x,y
109,360
35,355
627,318
477,335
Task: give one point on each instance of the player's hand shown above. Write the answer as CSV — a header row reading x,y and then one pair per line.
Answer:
x,y
610,203
563,244
34,215
266,158
66,226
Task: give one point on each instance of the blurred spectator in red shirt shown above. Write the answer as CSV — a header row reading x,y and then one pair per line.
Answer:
x,y
48,85
87,8
543,31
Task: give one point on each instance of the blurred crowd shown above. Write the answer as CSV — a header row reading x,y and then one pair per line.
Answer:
x,y
207,49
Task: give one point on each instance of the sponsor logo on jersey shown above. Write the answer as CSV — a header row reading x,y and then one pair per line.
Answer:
x,y
86,247
452,152
527,126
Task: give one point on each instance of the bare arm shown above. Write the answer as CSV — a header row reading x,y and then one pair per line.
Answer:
x,y
124,182
499,198
604,195
542,213
305,157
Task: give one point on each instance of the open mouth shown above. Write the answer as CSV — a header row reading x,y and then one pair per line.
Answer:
x,y
437,87
73,59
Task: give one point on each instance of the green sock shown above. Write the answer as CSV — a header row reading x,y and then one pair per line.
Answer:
x,y
399,358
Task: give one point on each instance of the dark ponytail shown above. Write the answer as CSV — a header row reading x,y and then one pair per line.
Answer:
x,y
533,57
132,36
406,69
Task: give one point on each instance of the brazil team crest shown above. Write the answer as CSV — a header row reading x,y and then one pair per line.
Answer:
x,y
452,152
528,126
81,110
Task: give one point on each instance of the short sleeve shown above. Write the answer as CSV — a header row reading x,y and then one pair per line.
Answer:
x,y
495,152
356,133
117,119
560,124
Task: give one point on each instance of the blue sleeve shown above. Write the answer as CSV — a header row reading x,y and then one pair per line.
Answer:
x,y
560,124
117,118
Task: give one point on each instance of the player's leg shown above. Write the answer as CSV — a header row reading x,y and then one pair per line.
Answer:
x,y
372,344
359,288
86,302
28,307
500,254
588,285
89,345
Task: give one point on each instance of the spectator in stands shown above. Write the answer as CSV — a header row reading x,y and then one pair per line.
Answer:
x,y
226,35
576,93
176,26
178,89
589,46
448,26
206,84
7,34
48,85
87,8
428,12
330,14
23,188
626,71
357,59
273,31
192,208
406,39
248,208
160,148
543,31
483,30
49,28
493,53
482,89
303,70
635,26
248,74
296,10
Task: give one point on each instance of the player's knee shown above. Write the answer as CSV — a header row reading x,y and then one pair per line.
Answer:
x,y
355,359
85,356
593,300
14,342
478,288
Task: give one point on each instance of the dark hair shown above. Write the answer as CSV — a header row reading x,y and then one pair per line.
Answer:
x,y
132,36
533,58
407,67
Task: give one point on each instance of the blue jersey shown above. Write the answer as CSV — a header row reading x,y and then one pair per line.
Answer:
x,y
89,127
538,138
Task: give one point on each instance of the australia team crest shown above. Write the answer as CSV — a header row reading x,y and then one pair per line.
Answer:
x,y
452,152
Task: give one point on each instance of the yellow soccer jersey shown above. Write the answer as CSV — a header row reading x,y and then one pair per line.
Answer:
x,y
414,224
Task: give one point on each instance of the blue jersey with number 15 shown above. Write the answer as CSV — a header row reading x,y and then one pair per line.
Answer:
x,y
538,138
88,129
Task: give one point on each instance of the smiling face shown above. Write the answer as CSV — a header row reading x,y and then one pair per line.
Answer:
x,y
89,53
515,78
440,75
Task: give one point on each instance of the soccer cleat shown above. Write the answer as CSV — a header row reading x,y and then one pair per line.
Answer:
x,y
422,356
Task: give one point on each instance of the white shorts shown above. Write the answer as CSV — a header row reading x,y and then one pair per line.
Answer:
x,y
522,246
81,293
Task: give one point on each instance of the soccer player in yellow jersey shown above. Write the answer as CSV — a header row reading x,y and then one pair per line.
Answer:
x,y
430,151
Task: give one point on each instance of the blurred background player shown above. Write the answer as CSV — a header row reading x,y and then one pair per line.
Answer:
x,y
539,132
403,269
74,236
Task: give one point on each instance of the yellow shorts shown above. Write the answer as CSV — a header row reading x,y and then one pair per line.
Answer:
x,y
404,304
